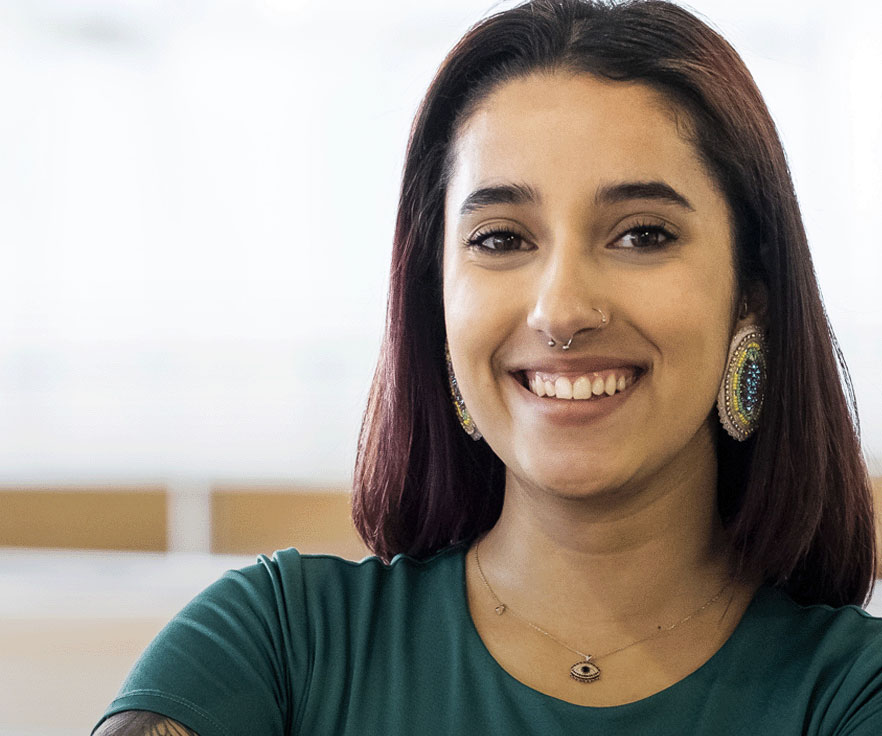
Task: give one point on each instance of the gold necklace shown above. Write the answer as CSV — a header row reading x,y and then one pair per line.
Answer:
x,y
585,670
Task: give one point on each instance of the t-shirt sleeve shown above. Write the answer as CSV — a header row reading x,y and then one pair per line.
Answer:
x,y
860,690
225,664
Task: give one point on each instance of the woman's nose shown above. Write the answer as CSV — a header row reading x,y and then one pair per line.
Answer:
x,y
566,300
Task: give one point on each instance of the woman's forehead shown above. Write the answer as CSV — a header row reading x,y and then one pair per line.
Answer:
x,y
559,131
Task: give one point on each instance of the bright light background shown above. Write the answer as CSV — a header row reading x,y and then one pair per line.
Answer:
x,y
197,201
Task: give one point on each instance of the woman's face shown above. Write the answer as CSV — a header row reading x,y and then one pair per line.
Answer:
x,y
568,195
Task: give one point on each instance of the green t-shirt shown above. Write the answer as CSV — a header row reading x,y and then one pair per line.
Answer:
x,y
322,646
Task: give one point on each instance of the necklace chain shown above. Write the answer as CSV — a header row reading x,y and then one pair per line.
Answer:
x,y
504,608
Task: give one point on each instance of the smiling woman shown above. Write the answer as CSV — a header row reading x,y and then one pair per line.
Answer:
x,y
623,222
657,517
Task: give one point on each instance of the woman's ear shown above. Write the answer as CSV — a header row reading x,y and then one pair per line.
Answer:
x,y
752,305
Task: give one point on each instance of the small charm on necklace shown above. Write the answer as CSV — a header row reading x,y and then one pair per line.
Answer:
x,y
500,609
585,671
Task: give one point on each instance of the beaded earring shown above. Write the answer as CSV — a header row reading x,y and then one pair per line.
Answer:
x,y
741,394
462,413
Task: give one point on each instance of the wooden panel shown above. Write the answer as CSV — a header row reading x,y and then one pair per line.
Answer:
x,y
109,518
244,520
252,521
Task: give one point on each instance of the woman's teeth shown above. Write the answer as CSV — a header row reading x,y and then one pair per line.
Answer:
x,y
588,386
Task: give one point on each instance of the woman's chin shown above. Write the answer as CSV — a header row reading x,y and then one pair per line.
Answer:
x,y
572,480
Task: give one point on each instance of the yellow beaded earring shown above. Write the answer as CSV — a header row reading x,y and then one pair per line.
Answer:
x,y
462,413
740,400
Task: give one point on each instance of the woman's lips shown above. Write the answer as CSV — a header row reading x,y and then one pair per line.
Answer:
x,y
572,412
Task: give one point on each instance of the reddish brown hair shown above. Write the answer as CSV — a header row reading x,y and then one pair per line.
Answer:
x,y
795,496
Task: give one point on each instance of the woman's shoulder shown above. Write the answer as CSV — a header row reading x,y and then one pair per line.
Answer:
x,y
822,660
370,564
326,583
814,636
316,568
819,622
273,628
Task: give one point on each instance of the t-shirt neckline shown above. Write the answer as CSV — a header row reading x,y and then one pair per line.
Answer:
x,y
520,689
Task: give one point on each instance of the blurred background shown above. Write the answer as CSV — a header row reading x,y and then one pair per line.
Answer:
x,y
197,201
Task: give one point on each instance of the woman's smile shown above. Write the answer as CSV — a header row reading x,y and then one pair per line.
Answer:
x,y
576,390
575,398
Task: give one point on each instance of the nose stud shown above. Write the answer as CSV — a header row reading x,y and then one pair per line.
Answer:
x,y
566,346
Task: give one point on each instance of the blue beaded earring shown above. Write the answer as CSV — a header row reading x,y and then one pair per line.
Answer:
x,y
740,400
462,413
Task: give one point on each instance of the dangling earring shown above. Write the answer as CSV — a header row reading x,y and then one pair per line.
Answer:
x,y
462,413
741,395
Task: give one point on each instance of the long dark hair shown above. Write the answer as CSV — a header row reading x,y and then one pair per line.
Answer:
x,y
795,497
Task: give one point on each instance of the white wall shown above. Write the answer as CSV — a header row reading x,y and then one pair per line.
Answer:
x,y
196,209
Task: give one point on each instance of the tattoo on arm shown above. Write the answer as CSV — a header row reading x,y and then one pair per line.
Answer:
x,y
142,723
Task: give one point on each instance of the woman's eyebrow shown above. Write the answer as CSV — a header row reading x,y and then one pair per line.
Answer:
x,y
624,191
498,194
605,195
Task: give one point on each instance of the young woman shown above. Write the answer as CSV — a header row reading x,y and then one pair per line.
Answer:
x,y
607,444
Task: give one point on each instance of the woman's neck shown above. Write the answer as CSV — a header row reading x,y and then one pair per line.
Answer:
x,y
619,557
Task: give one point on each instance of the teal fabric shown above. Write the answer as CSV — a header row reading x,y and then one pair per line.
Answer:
x,y
317,645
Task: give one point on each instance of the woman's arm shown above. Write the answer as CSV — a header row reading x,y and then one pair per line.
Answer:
x,y
142,723
224,664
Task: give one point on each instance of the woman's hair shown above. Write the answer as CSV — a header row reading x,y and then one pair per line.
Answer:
x,y
795,497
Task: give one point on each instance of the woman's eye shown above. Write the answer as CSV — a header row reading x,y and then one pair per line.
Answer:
x,y
498,242
646,237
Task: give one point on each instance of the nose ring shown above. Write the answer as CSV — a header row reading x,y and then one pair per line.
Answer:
x,y
603,320
552,343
